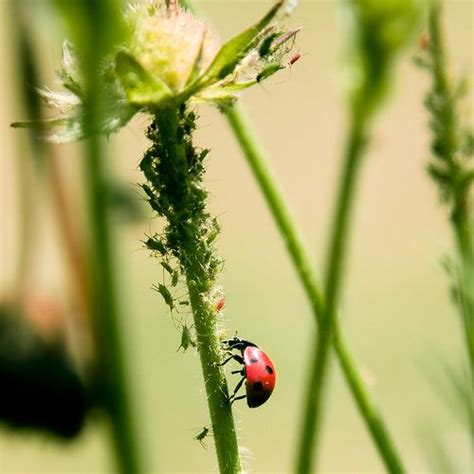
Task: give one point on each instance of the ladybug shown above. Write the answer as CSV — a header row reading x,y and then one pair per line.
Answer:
x,y
258,372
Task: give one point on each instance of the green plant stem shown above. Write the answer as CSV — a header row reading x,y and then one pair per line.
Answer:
x,y
367,409
95,28
339,237
111,379
223,428
276,202
188,224
300,258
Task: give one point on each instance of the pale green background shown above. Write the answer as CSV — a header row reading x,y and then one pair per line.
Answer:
x,y
397,314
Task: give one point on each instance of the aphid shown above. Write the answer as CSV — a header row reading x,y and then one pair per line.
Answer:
x,y
264,49
167,267
258,372
201,435
153,243
165,293
174,278
186,339
268,71
293,59
220,305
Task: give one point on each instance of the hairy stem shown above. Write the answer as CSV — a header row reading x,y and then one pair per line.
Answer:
x,y
300,258
174,171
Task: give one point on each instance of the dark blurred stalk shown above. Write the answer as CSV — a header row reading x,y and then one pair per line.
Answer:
x,y
112,377
95,28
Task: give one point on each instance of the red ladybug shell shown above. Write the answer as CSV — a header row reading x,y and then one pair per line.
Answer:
x,y
260,375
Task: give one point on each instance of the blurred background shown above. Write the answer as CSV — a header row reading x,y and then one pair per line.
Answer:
x,y
398,316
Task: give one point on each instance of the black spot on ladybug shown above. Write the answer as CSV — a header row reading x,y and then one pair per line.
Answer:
x,y
269,369
253,360
258,386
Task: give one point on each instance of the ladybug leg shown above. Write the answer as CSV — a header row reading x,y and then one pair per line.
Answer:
x,y
234,357
241,372
233,397
238,398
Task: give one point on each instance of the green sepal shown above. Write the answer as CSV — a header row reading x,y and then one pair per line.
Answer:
x,y
141,88
232,52
196,71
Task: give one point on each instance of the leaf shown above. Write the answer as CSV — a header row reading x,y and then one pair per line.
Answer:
x,y
142,89
232,52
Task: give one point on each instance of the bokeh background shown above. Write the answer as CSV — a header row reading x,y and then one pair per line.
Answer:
x,y
397,314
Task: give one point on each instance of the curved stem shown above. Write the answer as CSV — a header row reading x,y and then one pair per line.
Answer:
x,y
339,236
311,419
276,202
367,409
300,258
